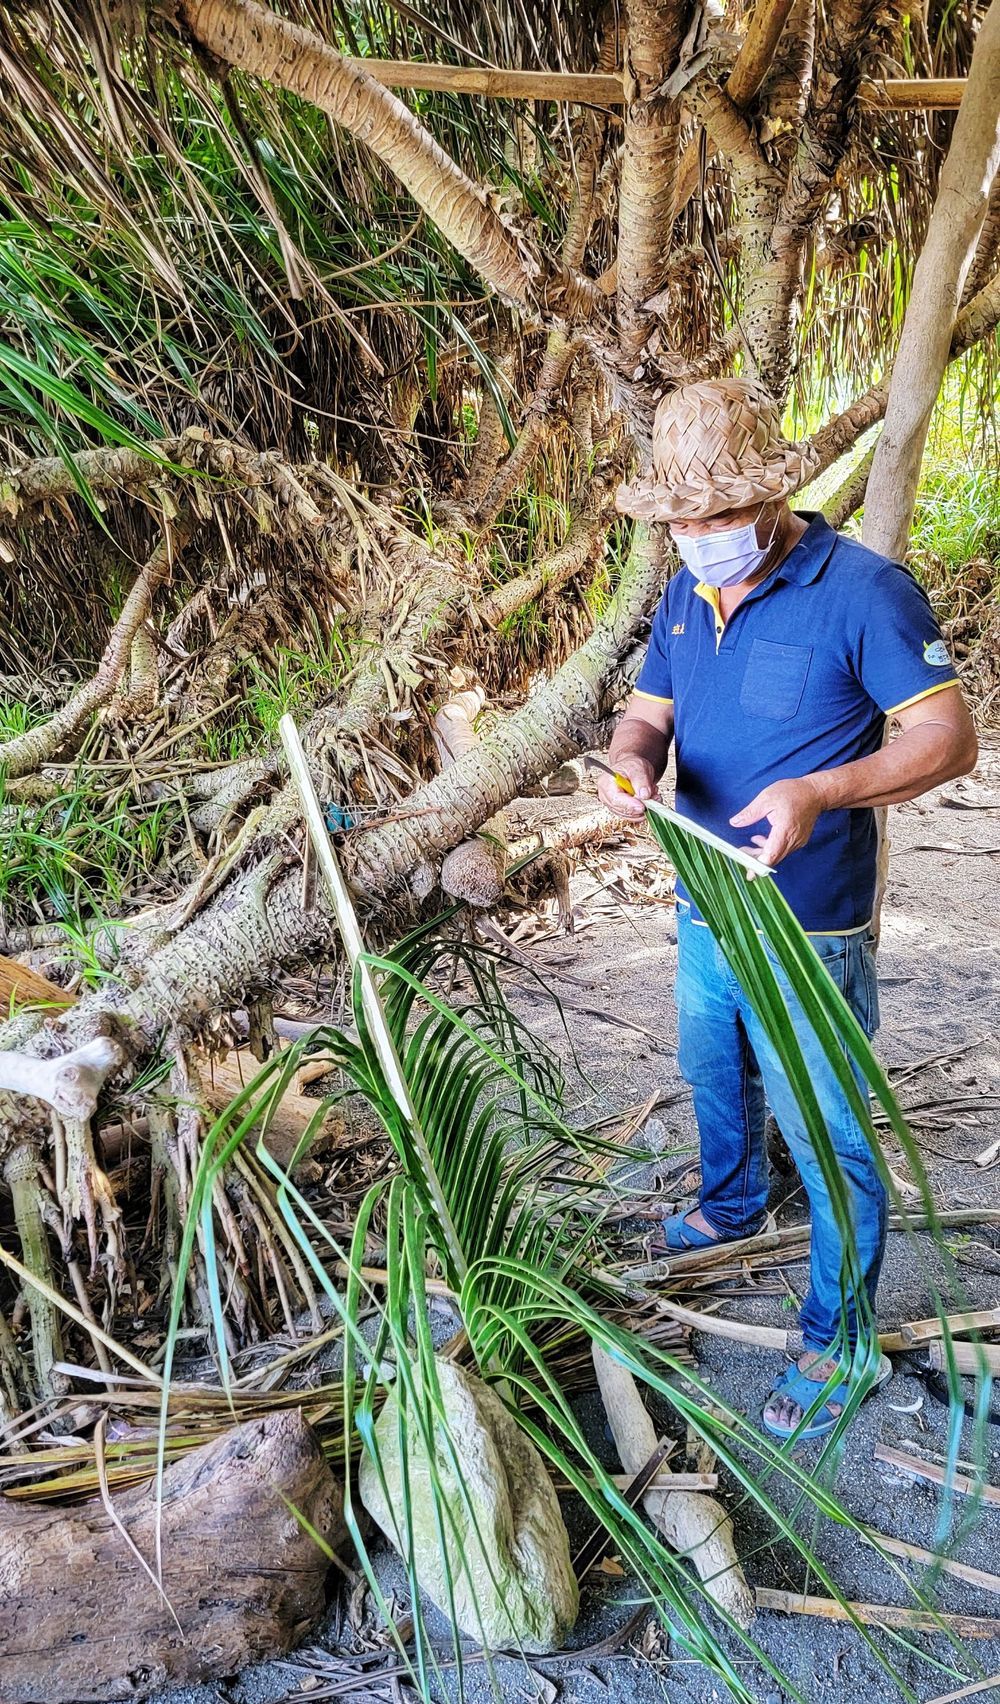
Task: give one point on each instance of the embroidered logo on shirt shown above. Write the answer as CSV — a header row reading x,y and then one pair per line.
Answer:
x,y
936,653
678,627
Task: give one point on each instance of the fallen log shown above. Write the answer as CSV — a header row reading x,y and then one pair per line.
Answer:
x,y
224,1078
82,1620
693,1524
972,1360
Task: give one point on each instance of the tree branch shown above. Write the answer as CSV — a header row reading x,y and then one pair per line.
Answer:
x,y
47,479
767,22
976,321
27,751
261,44
583,542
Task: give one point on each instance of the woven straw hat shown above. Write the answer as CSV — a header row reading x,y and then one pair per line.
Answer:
x,y
717,446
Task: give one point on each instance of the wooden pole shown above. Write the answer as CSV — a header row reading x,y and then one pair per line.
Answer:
x,y
922,1469
594,88
878,1614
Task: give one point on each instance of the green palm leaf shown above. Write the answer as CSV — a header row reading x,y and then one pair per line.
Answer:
x,y
479,1126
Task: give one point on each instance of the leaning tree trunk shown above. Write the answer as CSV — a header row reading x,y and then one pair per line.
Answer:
x,y
938,280
929,326
257,41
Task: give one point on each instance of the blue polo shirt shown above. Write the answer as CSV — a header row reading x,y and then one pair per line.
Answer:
x,y
800,678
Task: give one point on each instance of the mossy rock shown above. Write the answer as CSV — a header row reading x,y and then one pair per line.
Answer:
x,y
508,1549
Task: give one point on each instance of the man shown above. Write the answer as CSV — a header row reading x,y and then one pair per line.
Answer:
x,y
775,659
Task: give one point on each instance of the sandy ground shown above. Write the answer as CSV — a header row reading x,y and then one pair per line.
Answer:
x,y
940,993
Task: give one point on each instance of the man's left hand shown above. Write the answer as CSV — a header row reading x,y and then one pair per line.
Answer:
x,y
791,809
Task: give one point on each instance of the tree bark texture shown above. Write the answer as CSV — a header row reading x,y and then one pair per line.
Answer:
x,y
654,31
767,21
938,281
80,1617
259,43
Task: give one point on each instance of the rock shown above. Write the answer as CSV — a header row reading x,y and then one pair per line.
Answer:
x,y
509,1560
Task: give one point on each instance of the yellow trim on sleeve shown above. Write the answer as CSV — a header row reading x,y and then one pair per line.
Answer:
x,y
942,686
655,696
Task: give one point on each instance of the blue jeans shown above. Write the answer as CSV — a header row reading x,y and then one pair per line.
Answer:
x,y
731,1067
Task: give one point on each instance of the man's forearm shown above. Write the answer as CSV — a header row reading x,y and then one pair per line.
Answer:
x,y
635,738
915,761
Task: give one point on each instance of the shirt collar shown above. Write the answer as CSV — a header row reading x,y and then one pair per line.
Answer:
x,y
807,559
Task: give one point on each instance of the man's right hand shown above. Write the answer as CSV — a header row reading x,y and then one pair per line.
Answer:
x,y
621,804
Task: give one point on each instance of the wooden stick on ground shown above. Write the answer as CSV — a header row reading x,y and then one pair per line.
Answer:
x,y
967,1691
917,1331
20,986
878,1614
922,1469
693,1524
909,1335
915,1553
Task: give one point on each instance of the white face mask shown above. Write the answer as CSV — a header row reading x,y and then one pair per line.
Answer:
x,y
724,558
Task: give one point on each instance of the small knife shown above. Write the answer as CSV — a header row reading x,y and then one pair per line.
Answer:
x,y
605,768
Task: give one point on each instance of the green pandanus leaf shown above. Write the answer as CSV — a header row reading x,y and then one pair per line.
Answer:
x,y
757,930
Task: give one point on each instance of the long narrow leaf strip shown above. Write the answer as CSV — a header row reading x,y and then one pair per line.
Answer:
x,y
759,936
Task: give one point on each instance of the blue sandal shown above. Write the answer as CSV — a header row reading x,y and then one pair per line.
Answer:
x,y
678,1235
803,1390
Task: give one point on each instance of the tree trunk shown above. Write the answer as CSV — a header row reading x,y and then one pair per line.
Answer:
x,y
257,922
938,281
654,30
80,1617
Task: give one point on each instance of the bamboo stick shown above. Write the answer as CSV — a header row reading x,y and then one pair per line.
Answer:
x,y
922,1469
969,1358
662,1480
593,88
914,1332
878,1614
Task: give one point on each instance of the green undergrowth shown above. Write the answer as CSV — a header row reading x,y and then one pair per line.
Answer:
x,y
79,857
497,1194
956,523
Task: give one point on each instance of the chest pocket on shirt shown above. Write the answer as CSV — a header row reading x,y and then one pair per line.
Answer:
x,y
774,679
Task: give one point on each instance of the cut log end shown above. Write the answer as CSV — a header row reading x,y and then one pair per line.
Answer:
x,y
81,1620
